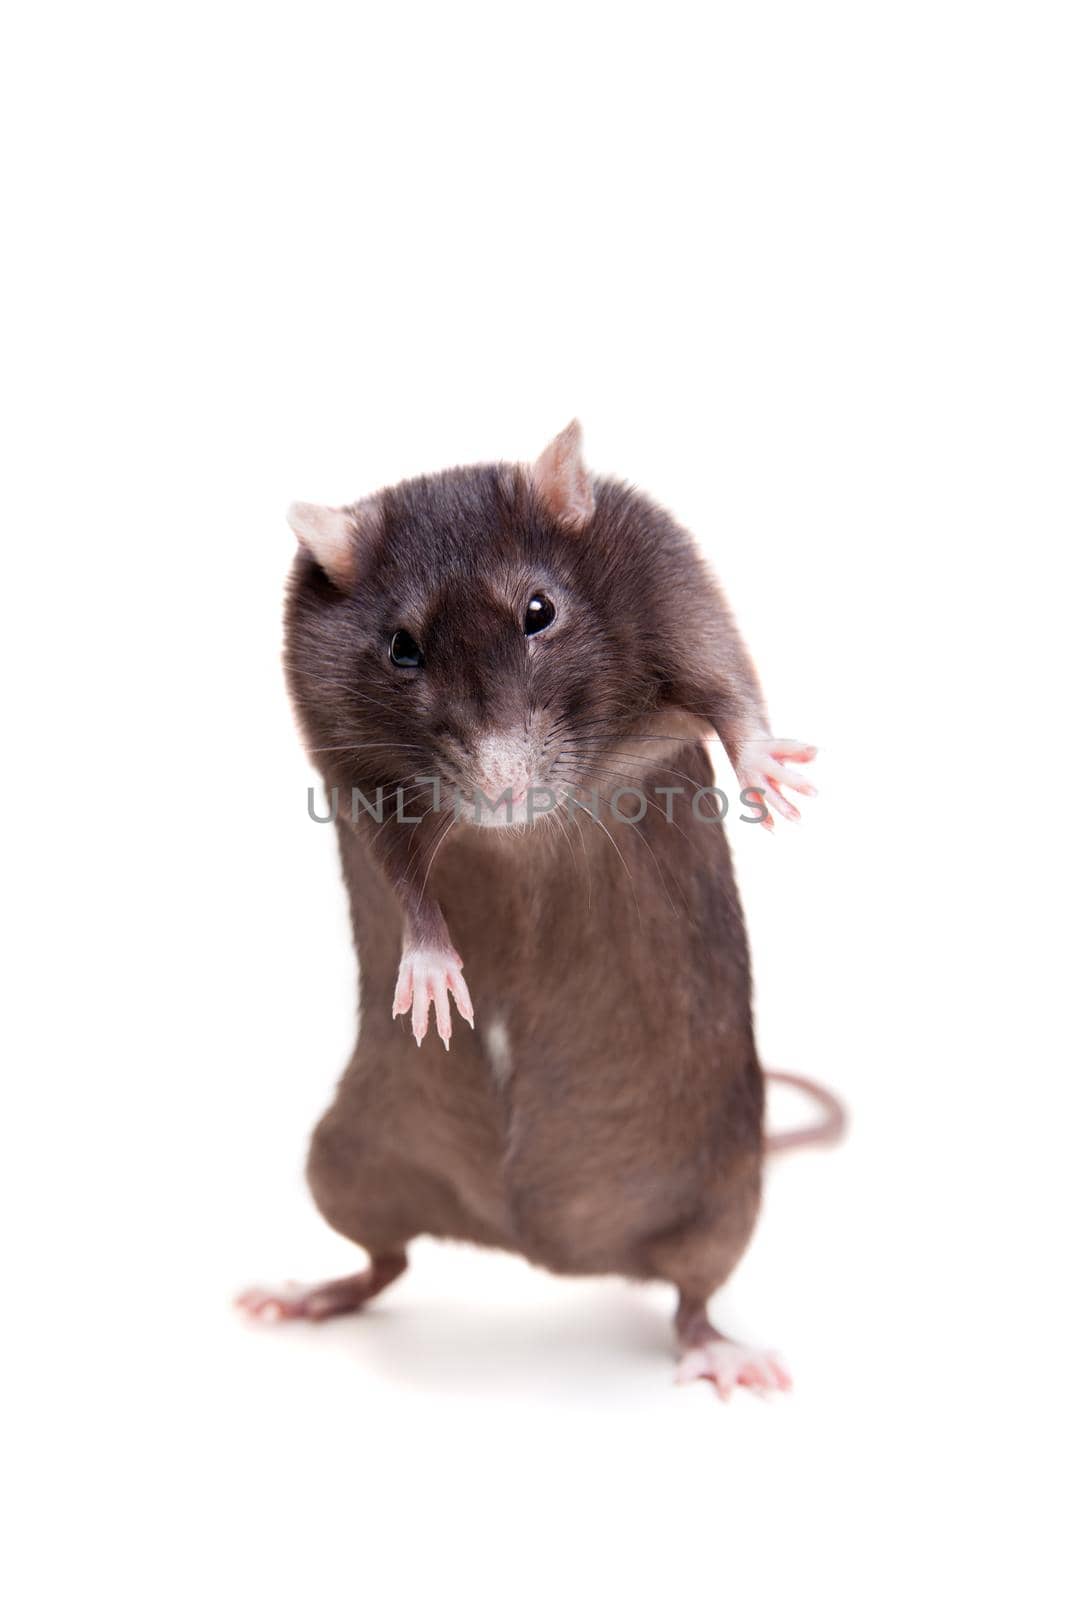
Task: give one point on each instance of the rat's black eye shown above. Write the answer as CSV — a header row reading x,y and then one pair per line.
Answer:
x,y
403,651
539,613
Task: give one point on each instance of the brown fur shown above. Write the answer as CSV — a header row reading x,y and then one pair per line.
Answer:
x,y
627,1137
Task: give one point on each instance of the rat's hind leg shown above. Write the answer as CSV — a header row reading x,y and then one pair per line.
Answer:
x,y
316,1302
377,1199
698,1259
369,1197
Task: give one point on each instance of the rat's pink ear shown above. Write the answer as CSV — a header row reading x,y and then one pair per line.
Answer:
x,y
332,535
562,480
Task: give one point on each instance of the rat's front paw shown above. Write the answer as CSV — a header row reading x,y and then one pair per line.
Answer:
x,y
762,767
427,977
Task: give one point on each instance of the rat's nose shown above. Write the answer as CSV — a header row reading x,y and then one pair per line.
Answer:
x,y
502,762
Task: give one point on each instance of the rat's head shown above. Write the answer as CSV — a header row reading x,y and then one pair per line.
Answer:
x,y
489,627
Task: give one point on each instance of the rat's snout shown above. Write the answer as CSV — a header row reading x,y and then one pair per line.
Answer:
x,y
502,763
502,772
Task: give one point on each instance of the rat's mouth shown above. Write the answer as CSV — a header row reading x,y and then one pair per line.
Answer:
x,y
520,805
502,808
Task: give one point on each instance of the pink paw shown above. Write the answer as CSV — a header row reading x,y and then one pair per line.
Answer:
x,y
762,766
727,1365
276,1305
426,978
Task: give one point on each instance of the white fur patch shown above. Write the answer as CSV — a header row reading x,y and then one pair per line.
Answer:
x,y
498,1049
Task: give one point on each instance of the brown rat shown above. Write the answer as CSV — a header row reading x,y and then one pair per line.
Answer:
x,y
508,677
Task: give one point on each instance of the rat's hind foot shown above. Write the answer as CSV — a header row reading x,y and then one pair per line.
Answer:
x,y
727,1365
315,1302
707,1353
428,977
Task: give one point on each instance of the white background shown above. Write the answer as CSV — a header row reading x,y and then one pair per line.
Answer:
x,y
800,270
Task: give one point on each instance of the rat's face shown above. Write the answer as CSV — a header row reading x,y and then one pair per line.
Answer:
x,y
469,629
472,671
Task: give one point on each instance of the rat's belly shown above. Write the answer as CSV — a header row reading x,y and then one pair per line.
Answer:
x,y
611,1072
617,1026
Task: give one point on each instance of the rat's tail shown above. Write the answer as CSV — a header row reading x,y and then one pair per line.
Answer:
x,y
829,1130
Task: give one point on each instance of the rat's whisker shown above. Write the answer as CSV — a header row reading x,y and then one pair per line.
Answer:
x,y
670,821
433,858
350,749
695,738
654,767
635,826
607,834
346,689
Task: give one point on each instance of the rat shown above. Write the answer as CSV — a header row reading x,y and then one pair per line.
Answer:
x,y
511,679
